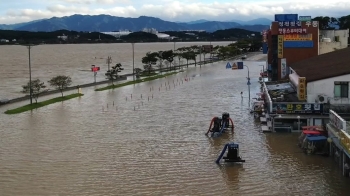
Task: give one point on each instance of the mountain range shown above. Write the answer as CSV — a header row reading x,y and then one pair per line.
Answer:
x,y
106,23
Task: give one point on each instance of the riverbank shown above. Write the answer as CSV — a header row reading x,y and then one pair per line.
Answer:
x,y
124,77
42,104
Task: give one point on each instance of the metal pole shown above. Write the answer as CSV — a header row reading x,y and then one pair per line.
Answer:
x,y
30,75
248,83
133,61
174,46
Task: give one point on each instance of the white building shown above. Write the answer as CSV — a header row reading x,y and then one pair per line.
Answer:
x,y
331,40
327,77
117,34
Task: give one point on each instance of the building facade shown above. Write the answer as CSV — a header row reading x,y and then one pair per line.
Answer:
x,y
292,39
331,40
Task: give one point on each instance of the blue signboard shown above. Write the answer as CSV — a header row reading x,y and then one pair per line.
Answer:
x,y
240,65
264,47
298,44
305,18
290,24
286,17
290,108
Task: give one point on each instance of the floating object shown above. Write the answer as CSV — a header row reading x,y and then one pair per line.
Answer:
x,y
228,65
232,154
218,125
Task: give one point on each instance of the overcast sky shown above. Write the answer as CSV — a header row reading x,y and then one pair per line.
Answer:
x,y
15,11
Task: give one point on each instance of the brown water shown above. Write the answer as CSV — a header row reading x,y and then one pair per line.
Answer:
x,y
74,60
82,147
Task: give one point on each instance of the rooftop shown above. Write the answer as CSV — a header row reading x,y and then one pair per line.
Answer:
x,y
282,91
324,66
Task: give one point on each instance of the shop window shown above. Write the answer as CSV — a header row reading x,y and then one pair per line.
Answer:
x,y
341,89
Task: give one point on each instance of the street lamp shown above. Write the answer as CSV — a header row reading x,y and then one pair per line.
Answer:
x,y
298,117
29,47
133,61
248,83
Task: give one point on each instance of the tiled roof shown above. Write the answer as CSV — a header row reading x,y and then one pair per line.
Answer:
x,y
324,66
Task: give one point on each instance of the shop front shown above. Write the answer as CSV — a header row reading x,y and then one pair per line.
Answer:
x,y
339,137
290,117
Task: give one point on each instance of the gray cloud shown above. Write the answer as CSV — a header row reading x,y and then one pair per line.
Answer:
x,y
179,11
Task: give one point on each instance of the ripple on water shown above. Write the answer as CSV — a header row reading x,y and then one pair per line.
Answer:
x,y
100,145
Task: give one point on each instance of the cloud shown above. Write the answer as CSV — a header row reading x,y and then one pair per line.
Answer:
x,y
185,10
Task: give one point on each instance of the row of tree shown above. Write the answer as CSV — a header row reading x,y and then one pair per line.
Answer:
x,y
330,23
190,53
37,87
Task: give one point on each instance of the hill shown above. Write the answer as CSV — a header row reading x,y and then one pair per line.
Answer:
x,y
105,23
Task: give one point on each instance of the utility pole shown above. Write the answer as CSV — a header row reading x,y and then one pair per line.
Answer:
x,y
109,61
29,47
133,61
248,83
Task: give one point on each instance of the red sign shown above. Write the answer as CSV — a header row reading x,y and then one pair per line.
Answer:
x,y
282,31
95,69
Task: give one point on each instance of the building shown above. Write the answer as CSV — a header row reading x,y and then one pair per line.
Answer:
x,y
338,130
292,39
327,77
331,40
316,85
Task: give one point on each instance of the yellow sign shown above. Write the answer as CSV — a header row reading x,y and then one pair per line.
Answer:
x,y
297,37
302,89
280,46
344,140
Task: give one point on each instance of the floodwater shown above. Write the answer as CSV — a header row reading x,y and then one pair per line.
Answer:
x,y
155,145
74,60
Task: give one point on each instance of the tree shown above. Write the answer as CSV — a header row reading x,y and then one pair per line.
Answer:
x,y
60,82
149,60
137,72
37,88
113,73
160,60
168,56
325,22
344,22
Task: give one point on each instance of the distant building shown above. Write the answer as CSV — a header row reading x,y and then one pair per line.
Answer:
x,y
63,37
291,40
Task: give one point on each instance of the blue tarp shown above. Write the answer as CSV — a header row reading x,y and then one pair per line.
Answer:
x,y
316,138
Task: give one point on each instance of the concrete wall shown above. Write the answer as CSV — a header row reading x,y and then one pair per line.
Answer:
x,y
326,47
342,42
325,88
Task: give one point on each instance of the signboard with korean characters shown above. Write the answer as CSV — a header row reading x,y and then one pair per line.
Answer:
x,y
283,68
337,121
302,89
284,31
311,24
280,46
297,108
297,37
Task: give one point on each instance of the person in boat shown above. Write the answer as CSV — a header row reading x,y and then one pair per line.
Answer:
x,y
217,125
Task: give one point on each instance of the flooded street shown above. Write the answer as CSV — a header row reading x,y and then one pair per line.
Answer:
x,y
155,145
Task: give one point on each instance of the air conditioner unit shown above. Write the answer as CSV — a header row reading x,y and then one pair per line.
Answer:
x,y
321,99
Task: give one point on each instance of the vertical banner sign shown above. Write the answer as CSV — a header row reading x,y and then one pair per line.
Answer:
x,y
280,46
302,89
283,68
